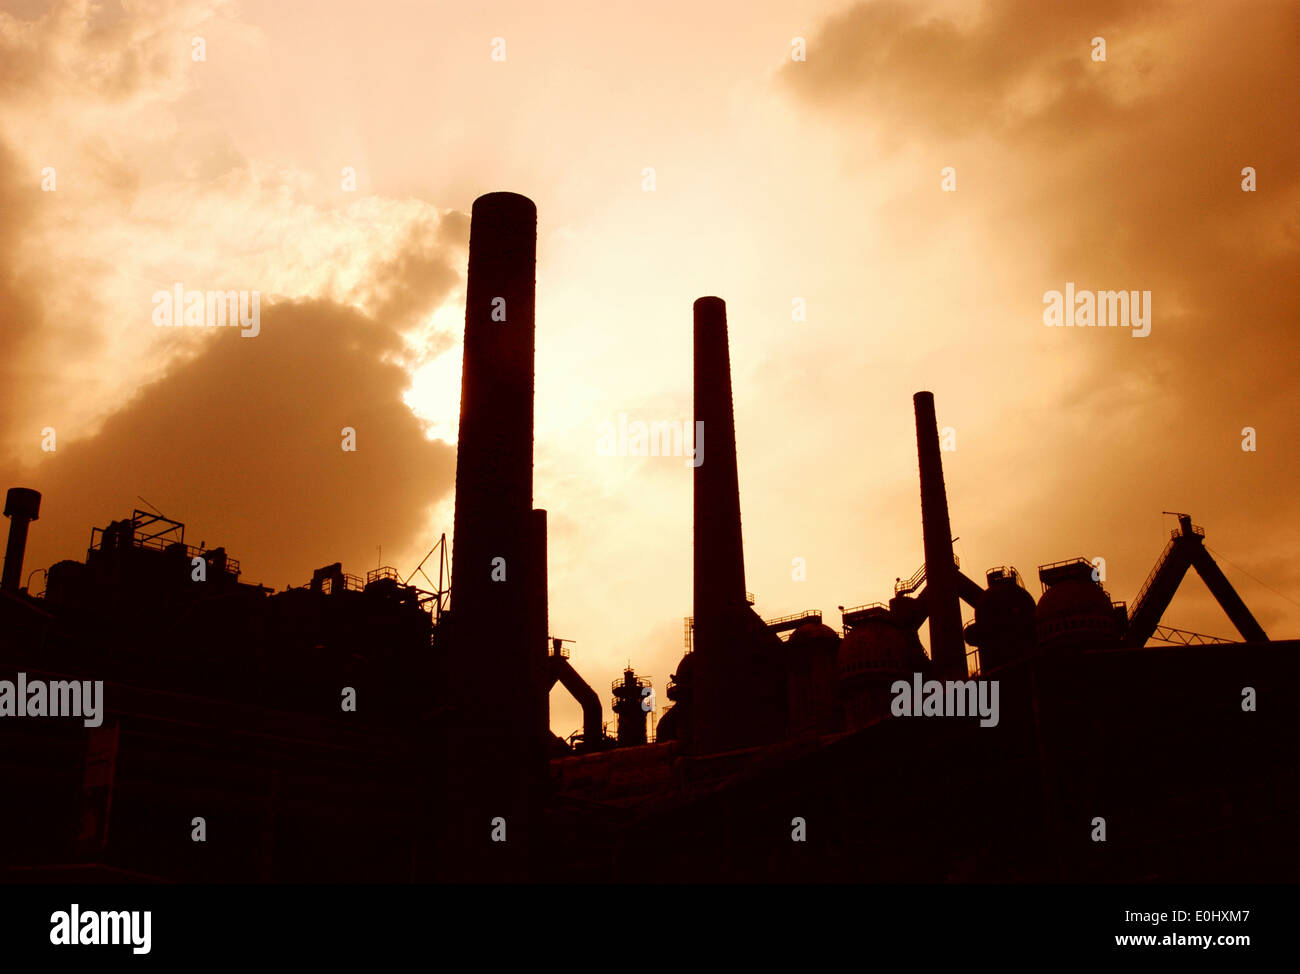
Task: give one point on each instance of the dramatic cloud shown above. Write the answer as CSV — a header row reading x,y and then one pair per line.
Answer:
x,y
244,443
1125,173
113,189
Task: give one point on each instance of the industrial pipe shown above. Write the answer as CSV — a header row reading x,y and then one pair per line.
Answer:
x,y
22,506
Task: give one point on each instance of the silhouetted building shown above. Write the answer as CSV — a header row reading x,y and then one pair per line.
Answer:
x,y
812,653
1004,625
362,729
221,702
676,723
629,704
1075,612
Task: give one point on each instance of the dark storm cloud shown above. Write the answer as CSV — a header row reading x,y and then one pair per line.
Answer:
x,y
243,442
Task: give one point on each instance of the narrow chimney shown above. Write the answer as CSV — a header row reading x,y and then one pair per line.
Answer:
x,y
22,506
719,555
494,456
947,646
492,725
722,665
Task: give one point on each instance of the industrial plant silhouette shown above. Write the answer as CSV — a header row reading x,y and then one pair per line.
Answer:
x,y
781,757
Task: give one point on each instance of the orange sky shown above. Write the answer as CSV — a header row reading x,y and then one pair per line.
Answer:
x,y
775,179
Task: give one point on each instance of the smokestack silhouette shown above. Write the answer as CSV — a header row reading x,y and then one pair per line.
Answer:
x,y
494,455
22,506
719,554
493,755
723,666
947,647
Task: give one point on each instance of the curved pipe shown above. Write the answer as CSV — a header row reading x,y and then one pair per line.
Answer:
x,y
592,724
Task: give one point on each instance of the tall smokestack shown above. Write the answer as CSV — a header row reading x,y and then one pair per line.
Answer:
x,y
492,751
719,555
22,506
494,456
947,647
722,664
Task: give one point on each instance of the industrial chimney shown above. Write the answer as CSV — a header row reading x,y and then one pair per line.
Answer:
x,y
22,506
739,698
947,647
493,761
719,561
494,456
719,555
